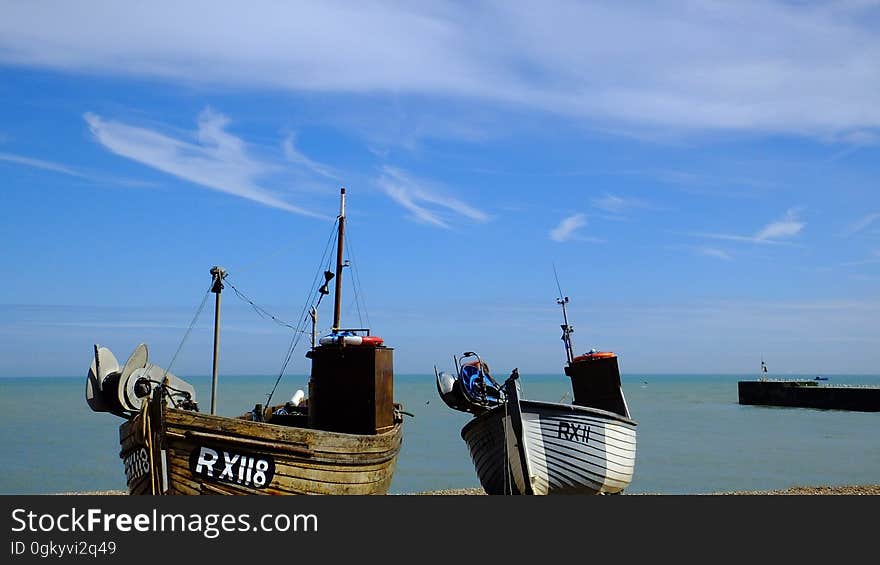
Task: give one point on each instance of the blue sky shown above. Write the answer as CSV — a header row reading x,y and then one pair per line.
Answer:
x,y
702,176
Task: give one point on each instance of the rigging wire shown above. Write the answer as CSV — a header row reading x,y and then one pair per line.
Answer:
x,y
259,309
358,288
188,330
297,336
354,286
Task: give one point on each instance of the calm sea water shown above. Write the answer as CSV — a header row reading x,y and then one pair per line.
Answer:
x,y
693,436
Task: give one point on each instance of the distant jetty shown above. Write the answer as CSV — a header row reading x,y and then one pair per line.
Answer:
x,y
809,394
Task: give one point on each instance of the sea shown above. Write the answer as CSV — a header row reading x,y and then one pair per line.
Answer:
x,y
693,436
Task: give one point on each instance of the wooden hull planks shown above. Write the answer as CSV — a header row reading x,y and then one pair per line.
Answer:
x,y
344,438
194,453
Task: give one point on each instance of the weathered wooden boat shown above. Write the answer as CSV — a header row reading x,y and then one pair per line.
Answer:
x,y
808,393
529,447
343,438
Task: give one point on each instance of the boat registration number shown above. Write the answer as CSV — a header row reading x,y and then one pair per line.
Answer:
x,y
573,432
235,467
137,464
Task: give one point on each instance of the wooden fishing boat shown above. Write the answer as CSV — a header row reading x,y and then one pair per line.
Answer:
x,y
343,438
529,447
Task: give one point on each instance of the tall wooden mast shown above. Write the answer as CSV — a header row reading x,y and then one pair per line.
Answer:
x,y
337,308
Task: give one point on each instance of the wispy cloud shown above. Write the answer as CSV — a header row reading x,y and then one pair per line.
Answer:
x,y
614,204
216,159
610,203
427,202
40,164
714,252
861,138
683,66
874,258
69,171
786,227
861,224
294,155
568,227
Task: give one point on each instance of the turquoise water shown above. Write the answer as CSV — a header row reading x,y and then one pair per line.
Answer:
x,y
693,436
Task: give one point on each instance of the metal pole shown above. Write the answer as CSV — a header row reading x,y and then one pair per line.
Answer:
x,y
219,274
337,309
566,329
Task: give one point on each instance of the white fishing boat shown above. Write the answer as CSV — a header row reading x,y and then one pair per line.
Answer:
x,y
521,446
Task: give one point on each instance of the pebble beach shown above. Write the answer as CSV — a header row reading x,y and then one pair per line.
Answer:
x,y
847,490
800,491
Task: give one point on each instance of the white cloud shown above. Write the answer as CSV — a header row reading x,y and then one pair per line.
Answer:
x,y
39,164
426,202
567,227
786,227
804,68
860,138
217,159
714,252
610,203
614,204
862,223
65,170
873,259
294,155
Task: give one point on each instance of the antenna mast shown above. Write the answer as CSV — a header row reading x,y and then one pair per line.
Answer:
x,y
567,330
337,309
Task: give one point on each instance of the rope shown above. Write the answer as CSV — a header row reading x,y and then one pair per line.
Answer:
x,y
508,477
147,432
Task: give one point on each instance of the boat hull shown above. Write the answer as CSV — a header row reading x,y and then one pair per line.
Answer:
x,y
170,451
809,394
567,449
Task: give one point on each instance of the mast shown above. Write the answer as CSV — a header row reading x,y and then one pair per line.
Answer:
x,y
337,308
566,329
218,274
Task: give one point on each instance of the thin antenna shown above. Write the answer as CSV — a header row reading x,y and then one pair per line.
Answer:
x,y
555,274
